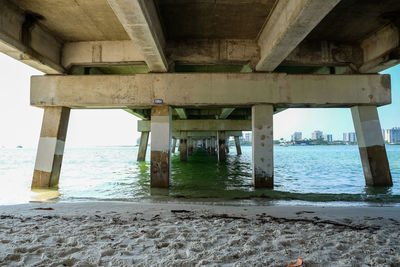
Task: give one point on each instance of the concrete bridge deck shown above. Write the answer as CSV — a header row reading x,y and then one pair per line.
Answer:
x,y
205,60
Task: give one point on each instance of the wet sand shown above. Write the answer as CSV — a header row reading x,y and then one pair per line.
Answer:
x,y
144,234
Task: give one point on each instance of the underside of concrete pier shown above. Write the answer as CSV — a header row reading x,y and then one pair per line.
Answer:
x,y
205,70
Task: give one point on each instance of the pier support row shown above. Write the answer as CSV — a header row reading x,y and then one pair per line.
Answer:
x,y
371,145
51,147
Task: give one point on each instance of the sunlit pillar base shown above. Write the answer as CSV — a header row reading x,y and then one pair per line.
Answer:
x,y
160,169
51,147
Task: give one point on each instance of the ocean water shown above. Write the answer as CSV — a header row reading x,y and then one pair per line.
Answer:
x,y
315,174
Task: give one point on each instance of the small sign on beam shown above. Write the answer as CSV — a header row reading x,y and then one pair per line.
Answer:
x,y
158,101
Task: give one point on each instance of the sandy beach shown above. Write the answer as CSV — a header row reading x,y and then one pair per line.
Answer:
x,y
149,234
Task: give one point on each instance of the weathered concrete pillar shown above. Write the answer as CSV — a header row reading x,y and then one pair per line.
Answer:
x,y
221,146
51,147
160,169
212,147
190,146
238,148
183,148
371,145
227,145
262,137
173,145
194,145
144,140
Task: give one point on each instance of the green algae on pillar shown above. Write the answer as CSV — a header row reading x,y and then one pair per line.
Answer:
x,y
262,141
51,147
144,139
160,166
371,146
183,148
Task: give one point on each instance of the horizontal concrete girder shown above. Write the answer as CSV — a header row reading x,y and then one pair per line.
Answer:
x,y
101,53
23,38
381,50
140,20
204,134
288,24
202,125
210,89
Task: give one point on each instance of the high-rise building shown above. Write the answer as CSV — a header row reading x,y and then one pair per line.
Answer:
x,y
391,136
247,137
328,137
316,135
350,137
296,136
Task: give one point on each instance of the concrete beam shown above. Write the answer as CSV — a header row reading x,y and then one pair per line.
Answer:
x,y
23,38
140,20
381,50
210,90
289,23
225,112
324,53
181,113
204,134
225,51
116,53
202,125
138,113
101,53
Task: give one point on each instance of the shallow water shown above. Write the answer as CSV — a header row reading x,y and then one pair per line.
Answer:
x,y
302,173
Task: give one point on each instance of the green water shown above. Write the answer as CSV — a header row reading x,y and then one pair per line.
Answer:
x,y
316,174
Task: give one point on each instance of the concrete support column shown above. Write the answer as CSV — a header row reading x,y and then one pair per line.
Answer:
x,y
194,145
221,146
173,145
212,147
183,149
160,169
227,145
262,137
190,146
238,148
144,140
51,147
371,145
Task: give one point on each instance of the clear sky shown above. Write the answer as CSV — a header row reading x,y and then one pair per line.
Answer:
x,y
20,123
